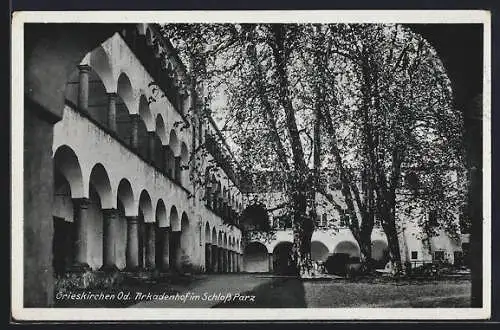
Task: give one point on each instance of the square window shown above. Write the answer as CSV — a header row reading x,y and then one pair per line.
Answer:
x,y
439,255
414,254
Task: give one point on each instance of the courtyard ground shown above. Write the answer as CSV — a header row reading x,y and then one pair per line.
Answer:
x,y
290,292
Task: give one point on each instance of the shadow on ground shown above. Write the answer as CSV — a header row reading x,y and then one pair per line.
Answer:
x,y
282,292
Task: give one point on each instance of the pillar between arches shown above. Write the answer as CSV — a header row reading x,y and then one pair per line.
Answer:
x,y
132,249
83,86
110,230
82,216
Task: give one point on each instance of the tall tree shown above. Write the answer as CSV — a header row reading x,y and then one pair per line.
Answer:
x,y
377,93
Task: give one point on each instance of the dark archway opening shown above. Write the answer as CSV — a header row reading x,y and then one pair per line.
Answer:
x,y
282,259
256,258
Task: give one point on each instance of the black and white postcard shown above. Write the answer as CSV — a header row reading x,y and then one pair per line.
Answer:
x,y
251,165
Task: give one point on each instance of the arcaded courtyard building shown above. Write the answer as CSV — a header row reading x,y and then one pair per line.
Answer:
x,y
123,180
113,174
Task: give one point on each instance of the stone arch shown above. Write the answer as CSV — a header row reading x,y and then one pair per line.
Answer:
x,y
63,211
146,207
214,236
169,161
174,219
126,92
100,180
173,143
184,176
160,129
184,253
145,113
282,263
96,105
255,258
207,233
67,163
100,62
319,251
347,247
161,215
379,251
220,239
125,196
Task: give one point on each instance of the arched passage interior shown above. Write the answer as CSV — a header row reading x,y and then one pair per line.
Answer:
x,y
282,263
255,258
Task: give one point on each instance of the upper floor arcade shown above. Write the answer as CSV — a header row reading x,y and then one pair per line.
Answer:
x,y
120,112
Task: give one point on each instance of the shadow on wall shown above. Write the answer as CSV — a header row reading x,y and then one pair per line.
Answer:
x,y
279,293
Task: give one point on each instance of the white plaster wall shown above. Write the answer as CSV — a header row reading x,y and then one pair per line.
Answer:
x,y
93,145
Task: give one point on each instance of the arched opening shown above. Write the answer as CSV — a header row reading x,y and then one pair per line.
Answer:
x,y
100,180
125,206
146,231
184,176
142,139
282,259
220,254
88,86
208,238
101,239
160,140
175,238
173,158
344,254
380,253
68,185
66,161
161,234
184,256
214,236
225,261
319,251
63,243
97,232
256,258
157,154
121,236
348,248
208,248
126,196
145,113
124,101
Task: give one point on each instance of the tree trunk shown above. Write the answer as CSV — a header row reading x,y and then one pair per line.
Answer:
x,y
389,226
302,230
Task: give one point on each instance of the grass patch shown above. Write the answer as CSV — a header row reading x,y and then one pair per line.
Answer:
x,y
402,293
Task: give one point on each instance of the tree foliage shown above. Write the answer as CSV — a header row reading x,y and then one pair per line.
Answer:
x,y
371,103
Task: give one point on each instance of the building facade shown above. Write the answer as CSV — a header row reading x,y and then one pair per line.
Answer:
x,y
125,169
332,236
